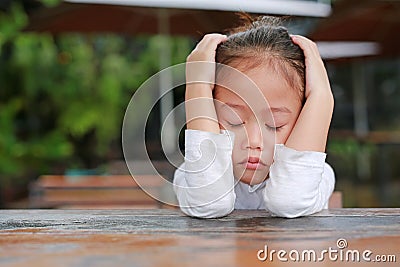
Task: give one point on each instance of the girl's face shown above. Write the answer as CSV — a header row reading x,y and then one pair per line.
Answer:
x,y
256,122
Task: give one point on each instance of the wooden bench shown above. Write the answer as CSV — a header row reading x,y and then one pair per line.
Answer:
x,y
115,191
107,192
335,201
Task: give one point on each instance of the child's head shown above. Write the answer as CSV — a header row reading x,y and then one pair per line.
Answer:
x,y
263,50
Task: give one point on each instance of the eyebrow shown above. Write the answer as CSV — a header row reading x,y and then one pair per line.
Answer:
x,y
280,110
232,105
273,110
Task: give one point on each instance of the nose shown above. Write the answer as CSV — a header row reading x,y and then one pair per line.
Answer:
x,y
254,136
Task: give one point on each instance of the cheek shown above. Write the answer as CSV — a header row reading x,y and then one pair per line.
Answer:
x,y
282,136
240,137
284,133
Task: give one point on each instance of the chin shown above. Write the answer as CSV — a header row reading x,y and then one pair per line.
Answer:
x,y
252,178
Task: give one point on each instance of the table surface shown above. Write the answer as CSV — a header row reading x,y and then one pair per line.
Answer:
x,y
169,238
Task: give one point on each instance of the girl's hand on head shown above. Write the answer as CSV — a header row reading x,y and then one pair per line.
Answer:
x,y
317,81
200,64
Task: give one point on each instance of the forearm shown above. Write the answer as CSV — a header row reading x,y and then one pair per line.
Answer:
x,y
312,126
200,109
311,129
200,78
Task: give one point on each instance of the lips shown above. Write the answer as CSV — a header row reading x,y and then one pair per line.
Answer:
x,y
253,163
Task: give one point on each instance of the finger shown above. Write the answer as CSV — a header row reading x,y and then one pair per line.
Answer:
x,y
211,41
309,48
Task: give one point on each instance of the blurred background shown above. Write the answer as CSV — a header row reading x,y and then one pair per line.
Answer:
x,y
69,68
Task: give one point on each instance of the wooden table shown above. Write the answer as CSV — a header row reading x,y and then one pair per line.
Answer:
x,y
168,238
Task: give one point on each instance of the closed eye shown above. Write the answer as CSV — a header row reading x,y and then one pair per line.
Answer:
x,y
273,128
235,124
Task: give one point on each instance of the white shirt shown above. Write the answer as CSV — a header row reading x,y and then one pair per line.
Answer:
x,y
300,182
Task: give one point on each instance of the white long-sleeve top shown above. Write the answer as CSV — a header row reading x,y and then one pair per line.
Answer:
x,y
300,182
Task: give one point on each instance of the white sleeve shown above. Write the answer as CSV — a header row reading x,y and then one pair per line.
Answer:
x,y
300,183
204,183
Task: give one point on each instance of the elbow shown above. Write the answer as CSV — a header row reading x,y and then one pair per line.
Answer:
x,y
286,211
291,197
291,206
215,209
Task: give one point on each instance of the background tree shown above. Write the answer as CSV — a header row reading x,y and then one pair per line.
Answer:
x,y
62,98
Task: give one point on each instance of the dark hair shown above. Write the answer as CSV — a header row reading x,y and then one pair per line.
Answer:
x,y
263,40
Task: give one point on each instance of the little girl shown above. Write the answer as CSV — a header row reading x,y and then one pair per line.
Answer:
x,y
258,110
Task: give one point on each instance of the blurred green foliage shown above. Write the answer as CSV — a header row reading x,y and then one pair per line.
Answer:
x,y
11,23
62,99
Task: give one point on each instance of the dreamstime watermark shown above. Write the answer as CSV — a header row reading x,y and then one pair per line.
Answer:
x,y
339,253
